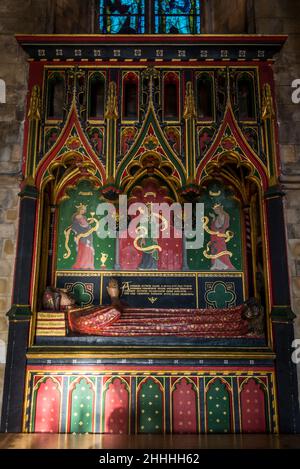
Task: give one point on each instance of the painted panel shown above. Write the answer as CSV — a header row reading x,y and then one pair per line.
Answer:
x,y
140,400
80,246
253,407
222,250
220,290
159,291
154,243
218,407
150,407
81,397
47,406
116,407
184,400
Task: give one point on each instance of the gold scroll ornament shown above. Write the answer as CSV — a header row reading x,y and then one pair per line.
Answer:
x,y
228,235
142,232
68,230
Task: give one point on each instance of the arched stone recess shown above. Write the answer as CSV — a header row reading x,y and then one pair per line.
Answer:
x,y
72,141
151,139
70,161
232,165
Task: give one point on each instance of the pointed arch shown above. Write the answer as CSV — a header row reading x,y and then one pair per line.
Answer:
x,y
96,96
71,138
171,108
150,409
116,406
230,140
218,406
253,405
245,96
152,129
205,96
55,95
184,406
160,169
130,96
46,405
81,405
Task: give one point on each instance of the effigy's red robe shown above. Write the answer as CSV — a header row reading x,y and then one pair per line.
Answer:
x,y
110,321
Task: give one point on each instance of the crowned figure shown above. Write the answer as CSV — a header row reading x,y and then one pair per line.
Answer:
x,y
219,236
83,238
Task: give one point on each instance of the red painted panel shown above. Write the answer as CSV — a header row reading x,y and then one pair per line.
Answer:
x,y
169,253
253,408
116,413
184,408
47,407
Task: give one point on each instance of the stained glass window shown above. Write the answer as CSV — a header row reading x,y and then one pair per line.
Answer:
x,y
122,16
177,16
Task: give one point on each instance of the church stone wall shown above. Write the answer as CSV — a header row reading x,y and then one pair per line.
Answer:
x,y
278,17
32,17
69,10
226,16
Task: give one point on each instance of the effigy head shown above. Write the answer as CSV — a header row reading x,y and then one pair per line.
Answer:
x,y
253,314
56,299
67,300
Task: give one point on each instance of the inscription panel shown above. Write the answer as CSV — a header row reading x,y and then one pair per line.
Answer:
x,y
160,291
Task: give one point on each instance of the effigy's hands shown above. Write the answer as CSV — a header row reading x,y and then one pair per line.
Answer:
x,y
113,291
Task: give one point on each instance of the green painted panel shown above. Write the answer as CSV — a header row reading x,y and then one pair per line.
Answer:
x,y
82,401
223,214
150,408
221,296
218,408
79,246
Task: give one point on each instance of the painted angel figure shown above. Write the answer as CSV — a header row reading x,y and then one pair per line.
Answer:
x,y
83,238
219,236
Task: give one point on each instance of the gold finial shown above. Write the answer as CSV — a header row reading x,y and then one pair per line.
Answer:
x,y
34,112
267,103
189,104
111,111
